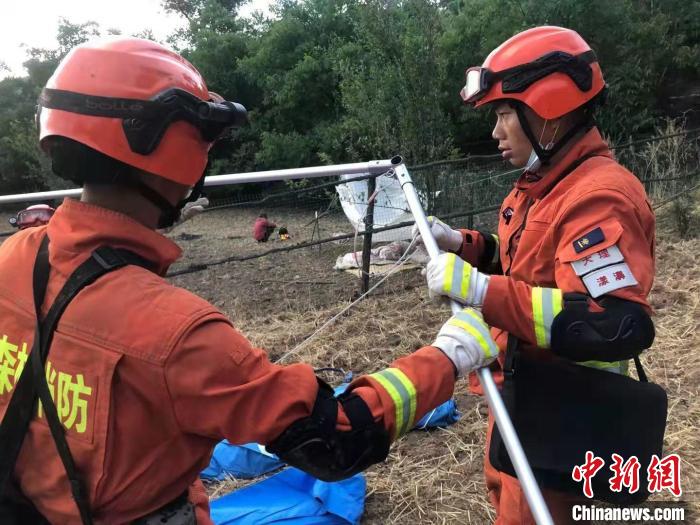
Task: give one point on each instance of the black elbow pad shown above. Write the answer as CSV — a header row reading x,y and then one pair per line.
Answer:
x,y
313,444
620,332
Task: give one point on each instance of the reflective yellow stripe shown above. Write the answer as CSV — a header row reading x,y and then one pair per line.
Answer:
x,y
412,396
616,367
465,276
466,321
497,251
449,271
537,317
483,328
403,394
546,305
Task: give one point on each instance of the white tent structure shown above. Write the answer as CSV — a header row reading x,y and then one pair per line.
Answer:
x,y
390,206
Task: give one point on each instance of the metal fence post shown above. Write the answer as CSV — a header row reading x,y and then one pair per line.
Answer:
x,y
367,242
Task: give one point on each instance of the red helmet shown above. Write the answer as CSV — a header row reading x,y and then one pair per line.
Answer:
x,y
550,69
138,102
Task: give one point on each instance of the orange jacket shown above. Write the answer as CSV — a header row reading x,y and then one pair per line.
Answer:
x,y
148,377
561,212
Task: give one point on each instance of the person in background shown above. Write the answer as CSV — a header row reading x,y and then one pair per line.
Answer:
x,y
35,215
262,229
283,233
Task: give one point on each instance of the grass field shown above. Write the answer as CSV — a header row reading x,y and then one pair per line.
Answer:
x,y
429,477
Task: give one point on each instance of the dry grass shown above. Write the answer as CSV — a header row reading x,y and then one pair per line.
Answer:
x,y
436,477
430,477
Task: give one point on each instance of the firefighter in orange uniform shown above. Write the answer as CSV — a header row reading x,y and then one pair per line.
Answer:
x,y
146,377
576,226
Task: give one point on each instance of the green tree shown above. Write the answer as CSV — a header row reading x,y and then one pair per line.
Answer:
x,y
391,81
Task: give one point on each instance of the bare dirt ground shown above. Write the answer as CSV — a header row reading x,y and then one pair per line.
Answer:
x,y
429,477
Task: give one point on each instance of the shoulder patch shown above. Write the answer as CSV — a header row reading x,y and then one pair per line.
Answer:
x,y
592,238
604,257
609,279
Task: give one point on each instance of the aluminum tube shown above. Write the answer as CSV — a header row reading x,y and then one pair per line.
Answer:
x,y
40,196
373,167
493,397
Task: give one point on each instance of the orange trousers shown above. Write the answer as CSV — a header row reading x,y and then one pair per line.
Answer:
x,y
508,498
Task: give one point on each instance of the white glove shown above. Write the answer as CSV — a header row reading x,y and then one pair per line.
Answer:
x,y
455,278
192,209
466,340
447,239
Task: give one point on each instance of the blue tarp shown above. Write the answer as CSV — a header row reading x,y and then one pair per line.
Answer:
x,y
251,460
293,497
441,416
239,461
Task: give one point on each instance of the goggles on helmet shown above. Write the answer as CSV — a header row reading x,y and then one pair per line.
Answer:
x,y
32,217
518,78
146,121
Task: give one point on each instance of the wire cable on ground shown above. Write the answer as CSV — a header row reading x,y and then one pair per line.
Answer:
x,y
395,267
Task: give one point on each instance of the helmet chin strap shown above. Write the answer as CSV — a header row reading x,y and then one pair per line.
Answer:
x,y
542,155
534,163
169,213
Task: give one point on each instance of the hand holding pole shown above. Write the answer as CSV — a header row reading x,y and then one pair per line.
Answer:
x,y
493,396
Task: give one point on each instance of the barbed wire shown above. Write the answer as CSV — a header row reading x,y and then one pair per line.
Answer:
x,y
655,139
677,195
298,191
474,178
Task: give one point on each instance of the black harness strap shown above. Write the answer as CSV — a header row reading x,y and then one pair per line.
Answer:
x,y
33,385
21,406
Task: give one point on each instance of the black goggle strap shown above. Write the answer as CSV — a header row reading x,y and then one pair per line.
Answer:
x,y
146,121
517,79
96,106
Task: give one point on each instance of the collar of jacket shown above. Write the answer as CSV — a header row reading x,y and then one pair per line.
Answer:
x,y
78,228
590,143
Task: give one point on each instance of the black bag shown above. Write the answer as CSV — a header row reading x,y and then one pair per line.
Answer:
x,y
560,410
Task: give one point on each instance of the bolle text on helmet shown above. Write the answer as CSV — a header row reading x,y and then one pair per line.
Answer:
x,y
113,105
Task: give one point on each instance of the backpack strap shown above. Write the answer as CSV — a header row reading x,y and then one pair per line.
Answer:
x,y
33,385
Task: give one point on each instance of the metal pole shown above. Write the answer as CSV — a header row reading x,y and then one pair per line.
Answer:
x,y
367,242
505,425
373,167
